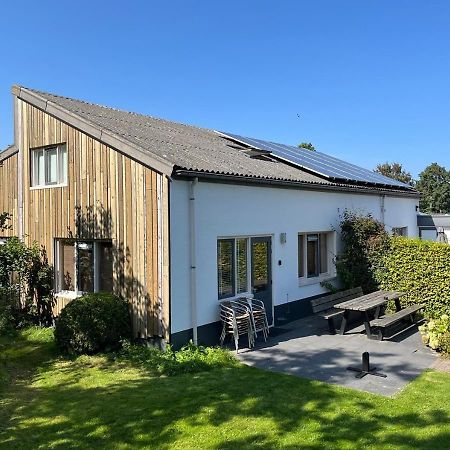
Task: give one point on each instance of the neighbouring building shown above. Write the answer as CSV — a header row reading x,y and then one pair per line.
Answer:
x,y
434,227
175,218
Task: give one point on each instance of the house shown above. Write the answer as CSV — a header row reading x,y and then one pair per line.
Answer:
x,y
434,227
175,218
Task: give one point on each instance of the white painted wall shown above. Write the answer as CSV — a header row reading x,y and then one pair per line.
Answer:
x,y
229,210
432,235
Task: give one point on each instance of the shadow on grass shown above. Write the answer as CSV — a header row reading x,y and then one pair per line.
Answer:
x,y
91,402
24,352
226,409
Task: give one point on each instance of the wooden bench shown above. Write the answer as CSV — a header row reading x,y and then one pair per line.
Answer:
x,y
384,322
324,306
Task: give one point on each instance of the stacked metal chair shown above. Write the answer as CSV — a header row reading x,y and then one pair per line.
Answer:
x,y
237,321
258,315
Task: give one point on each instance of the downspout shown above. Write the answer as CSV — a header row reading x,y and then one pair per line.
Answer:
x,y
192,232
382,208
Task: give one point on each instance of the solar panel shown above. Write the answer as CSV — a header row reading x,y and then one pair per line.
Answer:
x,y
317,162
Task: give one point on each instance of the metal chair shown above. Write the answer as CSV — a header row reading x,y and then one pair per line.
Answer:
x,y
258,315
236,321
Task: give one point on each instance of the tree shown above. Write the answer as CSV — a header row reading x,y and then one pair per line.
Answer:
x,y
365,240
434,185
307,146
394,170
26,285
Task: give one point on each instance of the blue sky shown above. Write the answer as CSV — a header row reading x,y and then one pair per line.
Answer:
x,y
365,81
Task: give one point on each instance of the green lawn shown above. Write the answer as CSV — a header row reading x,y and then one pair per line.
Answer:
x,y
93,402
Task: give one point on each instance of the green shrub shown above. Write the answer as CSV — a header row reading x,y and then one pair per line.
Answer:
x,y
445,343
436,333
365,240
374,260
168,362
419,268
93,323
26,284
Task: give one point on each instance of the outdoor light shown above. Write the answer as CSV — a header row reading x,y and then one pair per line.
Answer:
x,y
282,238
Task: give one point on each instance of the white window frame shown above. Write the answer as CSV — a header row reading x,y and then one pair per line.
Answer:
x,y
95,250
331,252
61,169
235,294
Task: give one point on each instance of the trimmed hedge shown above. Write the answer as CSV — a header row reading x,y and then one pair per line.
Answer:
x,y
420,268
93,323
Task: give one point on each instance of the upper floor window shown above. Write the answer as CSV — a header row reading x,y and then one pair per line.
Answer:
x,y
49,166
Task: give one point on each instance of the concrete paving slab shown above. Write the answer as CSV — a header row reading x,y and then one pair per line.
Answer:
x,y
306,349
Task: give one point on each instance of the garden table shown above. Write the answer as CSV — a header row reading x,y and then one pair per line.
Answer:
x,y
365,304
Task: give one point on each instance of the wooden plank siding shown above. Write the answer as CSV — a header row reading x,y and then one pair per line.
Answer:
x,y
8,193
108,196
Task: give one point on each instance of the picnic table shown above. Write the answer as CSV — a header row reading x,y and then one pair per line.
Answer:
x,y
366,304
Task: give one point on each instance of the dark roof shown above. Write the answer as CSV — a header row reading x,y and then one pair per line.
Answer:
x,y
176,147
8,151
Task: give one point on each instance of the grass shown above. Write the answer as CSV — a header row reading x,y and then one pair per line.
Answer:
x,y
48,402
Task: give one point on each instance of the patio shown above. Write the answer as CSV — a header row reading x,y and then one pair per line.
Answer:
x,y
305,348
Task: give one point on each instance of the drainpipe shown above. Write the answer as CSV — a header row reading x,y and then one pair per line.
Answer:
x,y
382,209
192,232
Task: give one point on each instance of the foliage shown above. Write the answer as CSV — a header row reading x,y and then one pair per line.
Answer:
x,y
444,343
394,170
434,185
94,402
365,240
374,260
436,333
329,286
26,284
5,218
93,323
419,268
307,146
189,359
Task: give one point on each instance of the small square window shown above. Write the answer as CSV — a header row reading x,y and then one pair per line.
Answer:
x,y
49,166
400,231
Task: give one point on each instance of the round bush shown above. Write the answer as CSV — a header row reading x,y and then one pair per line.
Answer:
x,y
93,323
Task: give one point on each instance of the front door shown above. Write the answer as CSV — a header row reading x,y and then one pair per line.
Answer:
x,y
261,258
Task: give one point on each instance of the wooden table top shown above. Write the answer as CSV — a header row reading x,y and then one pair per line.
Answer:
x,y
369,301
